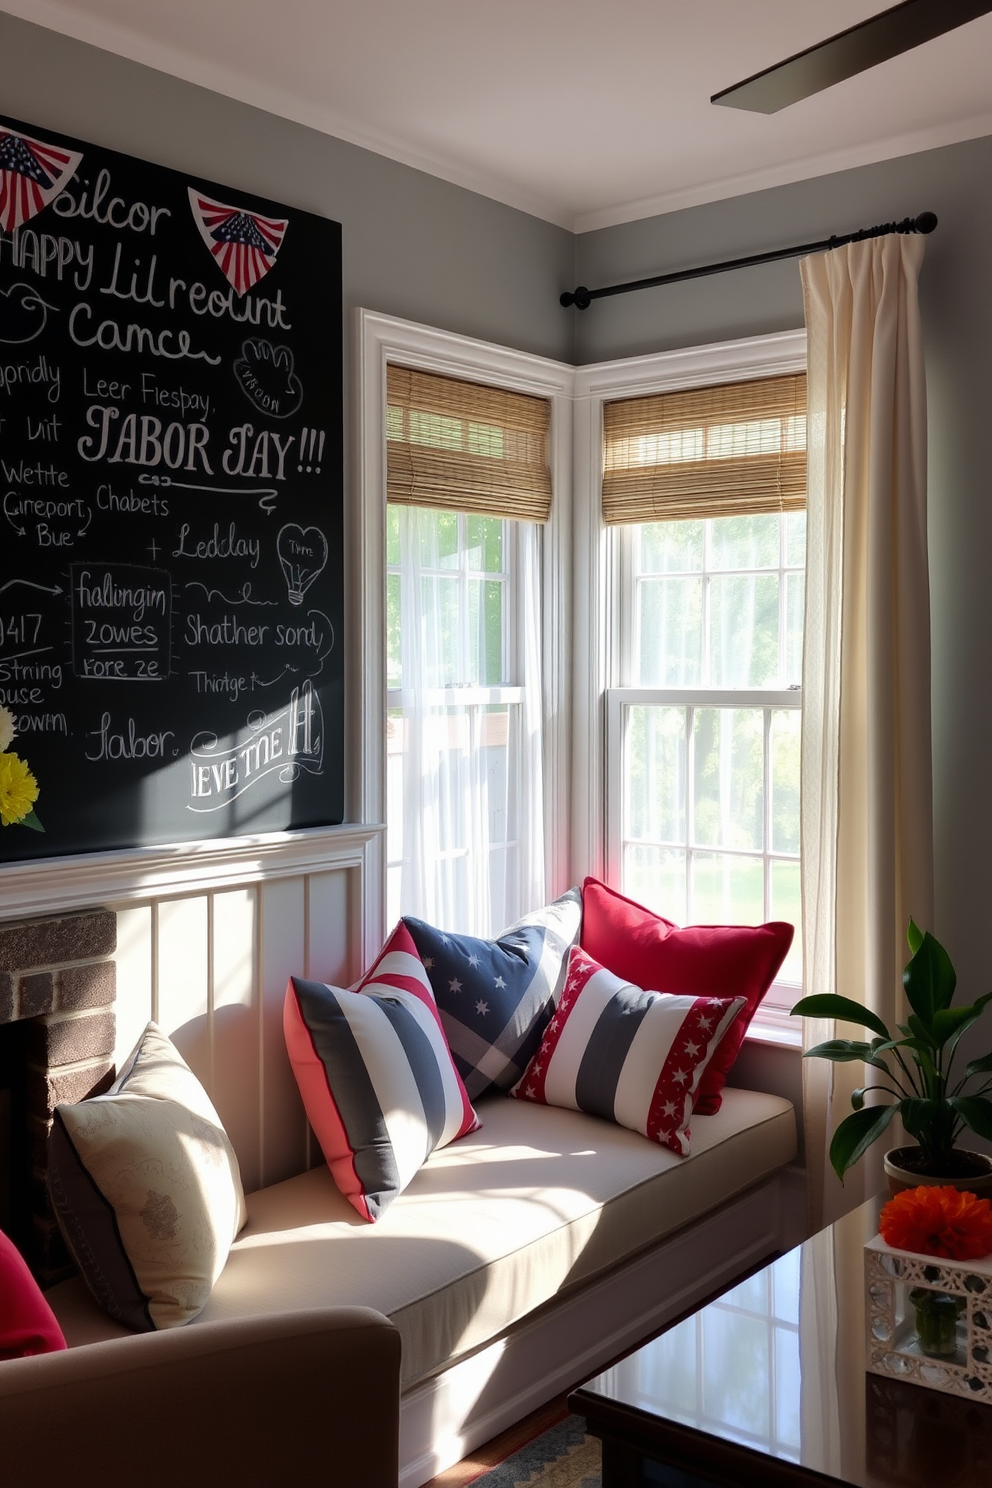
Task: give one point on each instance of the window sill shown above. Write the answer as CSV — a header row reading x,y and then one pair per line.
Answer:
x,y
784,1034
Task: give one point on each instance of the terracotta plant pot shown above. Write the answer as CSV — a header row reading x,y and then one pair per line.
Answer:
x,y
900,1177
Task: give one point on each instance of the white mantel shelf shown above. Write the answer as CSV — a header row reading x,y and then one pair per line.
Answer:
x,y
86,879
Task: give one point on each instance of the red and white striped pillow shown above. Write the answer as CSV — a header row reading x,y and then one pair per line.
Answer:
x,y
375,1074
632,1057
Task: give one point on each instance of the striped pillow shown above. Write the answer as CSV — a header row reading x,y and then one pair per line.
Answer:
x,y
375,1075
629,1056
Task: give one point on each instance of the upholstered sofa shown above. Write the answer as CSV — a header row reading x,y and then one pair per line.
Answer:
x,y
519,1260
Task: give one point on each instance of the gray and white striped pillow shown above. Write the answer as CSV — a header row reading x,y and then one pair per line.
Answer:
x,y
375,1075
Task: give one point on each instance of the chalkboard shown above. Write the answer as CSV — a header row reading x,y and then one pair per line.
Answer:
x,y
171,550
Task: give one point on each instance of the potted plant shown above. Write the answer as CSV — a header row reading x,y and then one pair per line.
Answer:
x,y
916,1069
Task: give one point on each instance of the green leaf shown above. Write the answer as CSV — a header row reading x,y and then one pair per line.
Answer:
x,y
31,820
976,1009
858,1098
914,935
856,1133
949,1021
929,979
925,1045
975,1111
847,1051
829,1005
841,1051
903,1043
979,1067
921,1118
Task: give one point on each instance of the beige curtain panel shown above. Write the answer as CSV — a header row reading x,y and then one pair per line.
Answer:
x,y
867,819
466,446
735,449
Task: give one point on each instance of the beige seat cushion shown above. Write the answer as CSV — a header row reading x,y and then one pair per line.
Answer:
x,y
538,1200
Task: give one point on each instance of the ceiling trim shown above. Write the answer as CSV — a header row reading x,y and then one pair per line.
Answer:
x,y
786,174
257,93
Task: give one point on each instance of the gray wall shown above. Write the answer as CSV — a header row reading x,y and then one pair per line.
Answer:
x,y
414,246
956,297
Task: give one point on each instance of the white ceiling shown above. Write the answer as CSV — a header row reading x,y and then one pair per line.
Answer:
x,y
584,112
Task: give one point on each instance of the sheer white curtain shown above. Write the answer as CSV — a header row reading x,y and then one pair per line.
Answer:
x,y
867,829
466,813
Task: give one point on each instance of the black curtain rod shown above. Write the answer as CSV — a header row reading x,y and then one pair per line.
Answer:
x,y
582,298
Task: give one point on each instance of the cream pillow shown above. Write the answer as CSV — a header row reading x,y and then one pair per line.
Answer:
x,y
147,1189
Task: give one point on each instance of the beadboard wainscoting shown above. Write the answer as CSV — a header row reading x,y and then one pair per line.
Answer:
x,y
207,935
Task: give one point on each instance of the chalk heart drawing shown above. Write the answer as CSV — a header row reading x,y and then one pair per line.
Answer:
x,y
23,314
303,553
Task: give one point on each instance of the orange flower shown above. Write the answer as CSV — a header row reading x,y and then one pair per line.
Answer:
x,y
938,1222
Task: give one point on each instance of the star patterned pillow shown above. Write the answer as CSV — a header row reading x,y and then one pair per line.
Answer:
x,y
495,996
631,1057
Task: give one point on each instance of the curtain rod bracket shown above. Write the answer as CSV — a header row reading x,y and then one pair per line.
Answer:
x,y
582,298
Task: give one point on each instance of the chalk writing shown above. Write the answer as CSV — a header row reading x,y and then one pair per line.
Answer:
x,y
286,742
77,200
121,619
170,378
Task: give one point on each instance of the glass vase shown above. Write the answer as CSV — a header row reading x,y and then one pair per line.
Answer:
x,y
937,1316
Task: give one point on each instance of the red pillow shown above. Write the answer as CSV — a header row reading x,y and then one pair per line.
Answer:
x,y
699,961
27,1323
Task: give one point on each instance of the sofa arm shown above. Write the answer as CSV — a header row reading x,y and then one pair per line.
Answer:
x,y
259,1402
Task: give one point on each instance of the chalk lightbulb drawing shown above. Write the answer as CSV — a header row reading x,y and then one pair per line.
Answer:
x,y
302,553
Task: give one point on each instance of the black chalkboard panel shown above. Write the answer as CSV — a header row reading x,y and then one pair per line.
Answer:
x,y
171,548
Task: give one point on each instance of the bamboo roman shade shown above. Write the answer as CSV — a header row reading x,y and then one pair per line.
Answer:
x,y
466,446
725,451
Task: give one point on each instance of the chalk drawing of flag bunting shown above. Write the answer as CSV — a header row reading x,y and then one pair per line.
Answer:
x,y
31,174
244,244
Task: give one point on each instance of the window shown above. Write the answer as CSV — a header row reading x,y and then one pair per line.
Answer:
x,y
569,690
463,720
469,487
703,728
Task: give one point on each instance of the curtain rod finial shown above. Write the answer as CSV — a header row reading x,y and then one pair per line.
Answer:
x,y
579,297
926,222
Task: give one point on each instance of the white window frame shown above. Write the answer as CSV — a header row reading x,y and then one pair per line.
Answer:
x,y
380,339
472,700
598,640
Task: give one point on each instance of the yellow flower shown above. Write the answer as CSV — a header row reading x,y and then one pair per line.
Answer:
x,y
18,789
7,729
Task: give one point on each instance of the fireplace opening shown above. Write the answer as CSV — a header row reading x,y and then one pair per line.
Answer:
x,y
57,990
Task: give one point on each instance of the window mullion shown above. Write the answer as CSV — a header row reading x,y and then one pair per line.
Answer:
x,y
705,675
511,654
690,806
767,792
630,639
464,603
783,606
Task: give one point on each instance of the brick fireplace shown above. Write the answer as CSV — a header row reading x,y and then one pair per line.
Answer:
x,y
57,991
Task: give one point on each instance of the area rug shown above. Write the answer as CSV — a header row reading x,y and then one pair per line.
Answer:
x,y
548,1450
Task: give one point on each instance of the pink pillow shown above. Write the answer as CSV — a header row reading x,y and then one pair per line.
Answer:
x,y
626,1055
698,961
27,1323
